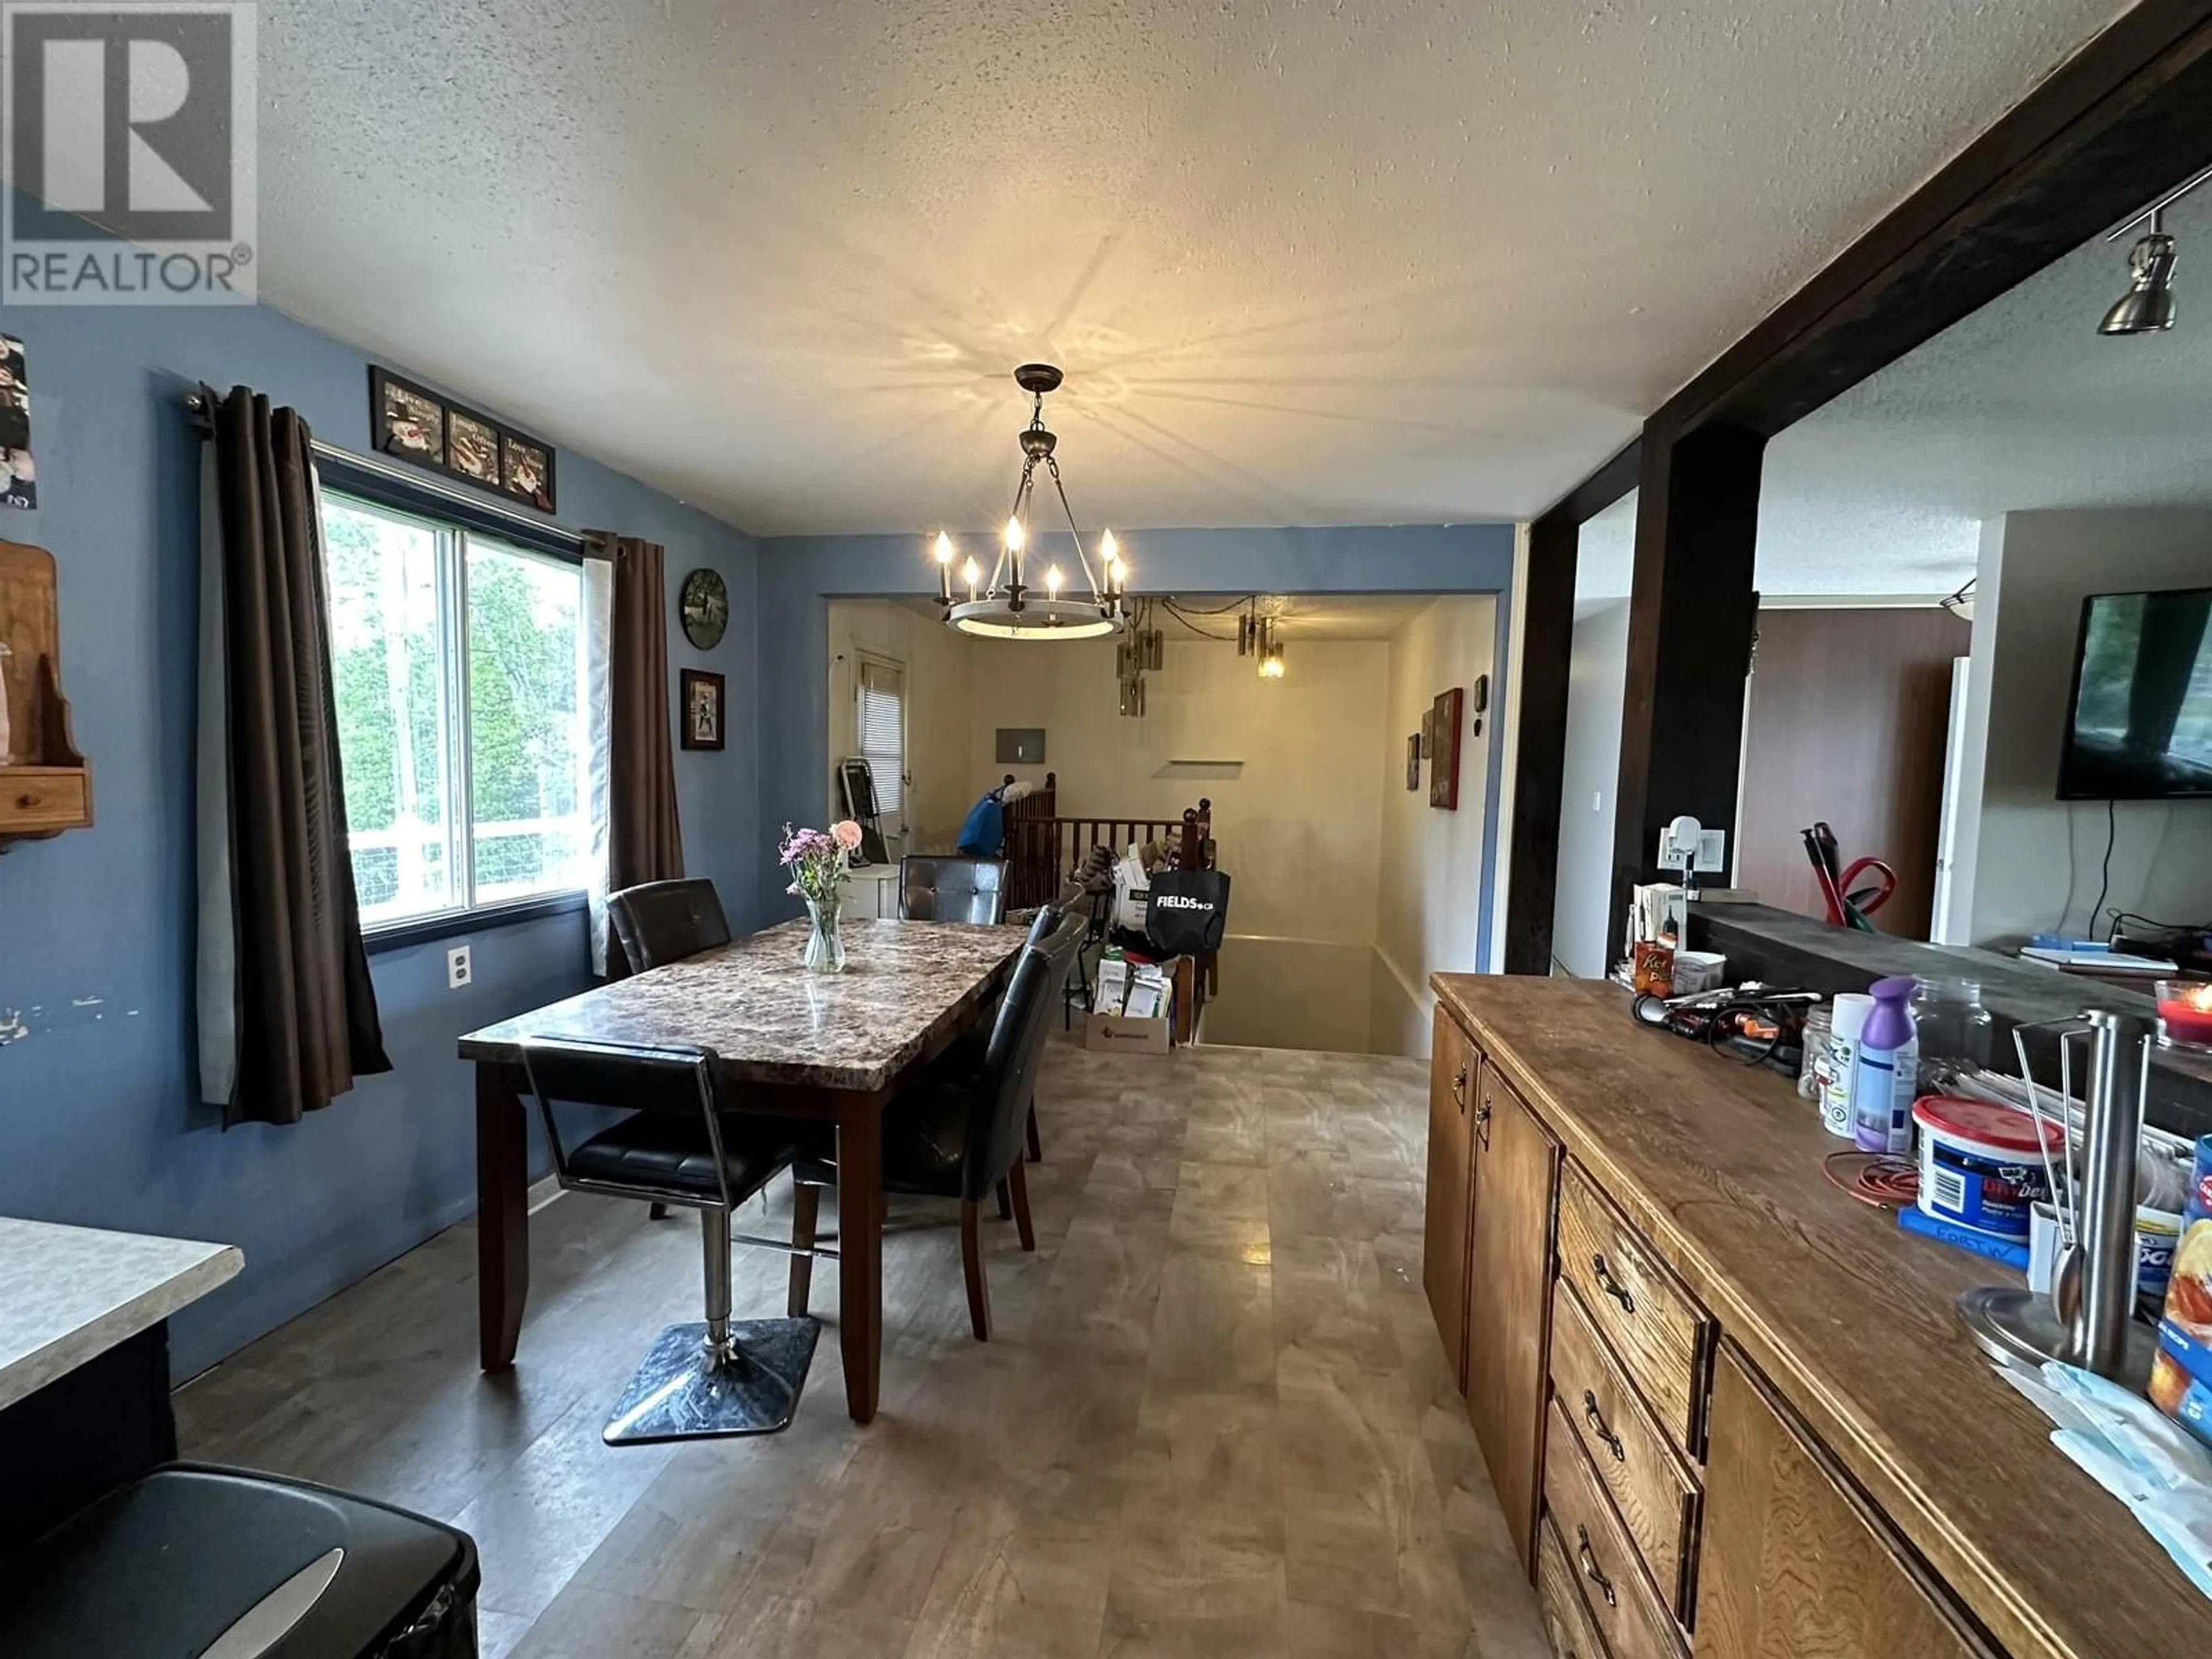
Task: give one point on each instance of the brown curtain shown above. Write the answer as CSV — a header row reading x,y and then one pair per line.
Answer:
x,y
645,840
304,1020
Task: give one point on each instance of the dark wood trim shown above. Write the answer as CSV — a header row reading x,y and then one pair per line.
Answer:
x,y
2127,117
1690,622
1540,757
1603,487
1547,637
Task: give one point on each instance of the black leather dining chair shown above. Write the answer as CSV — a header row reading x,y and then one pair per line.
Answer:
x,y
956,1131
678,1146
951,887
657,922
663,921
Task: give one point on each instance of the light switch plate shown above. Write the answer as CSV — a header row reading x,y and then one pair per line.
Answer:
x,y
1712,849
457,967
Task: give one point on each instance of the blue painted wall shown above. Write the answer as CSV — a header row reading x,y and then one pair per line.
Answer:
x,y
97,1099
800,575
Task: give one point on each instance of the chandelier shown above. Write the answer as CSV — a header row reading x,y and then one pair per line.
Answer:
x,y
1009,607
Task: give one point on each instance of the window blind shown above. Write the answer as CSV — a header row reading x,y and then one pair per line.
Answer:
x,y
883,732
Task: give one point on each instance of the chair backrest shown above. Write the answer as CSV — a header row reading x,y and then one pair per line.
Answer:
x,y
1013,1055
1071,895
677,1082
663,921
1041,924
935,887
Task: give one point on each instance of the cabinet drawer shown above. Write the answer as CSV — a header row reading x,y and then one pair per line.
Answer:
x,y
1654,1327
1651,1488
1566,1620
1617,1591
38,798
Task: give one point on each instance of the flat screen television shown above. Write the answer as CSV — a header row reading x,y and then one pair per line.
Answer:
x,y
2139,725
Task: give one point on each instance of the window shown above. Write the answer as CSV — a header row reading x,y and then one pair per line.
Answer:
x,y
458,664
883,731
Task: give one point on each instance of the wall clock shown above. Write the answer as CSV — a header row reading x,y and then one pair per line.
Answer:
x,y
706,602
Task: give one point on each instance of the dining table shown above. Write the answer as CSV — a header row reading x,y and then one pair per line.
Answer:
x,y
786,1043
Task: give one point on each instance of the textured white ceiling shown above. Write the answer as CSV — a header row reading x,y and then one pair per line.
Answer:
x,y
2021,405
1306,261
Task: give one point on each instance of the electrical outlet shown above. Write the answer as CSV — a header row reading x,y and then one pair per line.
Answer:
x,y
1712,850
457,967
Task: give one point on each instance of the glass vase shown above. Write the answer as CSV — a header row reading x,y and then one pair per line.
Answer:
x,y
825,946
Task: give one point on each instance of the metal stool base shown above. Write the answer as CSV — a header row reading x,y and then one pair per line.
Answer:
x,y
683,1392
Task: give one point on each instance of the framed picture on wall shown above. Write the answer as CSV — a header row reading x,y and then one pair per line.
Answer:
x,y
406,420
1413,762
701,697
1443,764
472,446
1428,734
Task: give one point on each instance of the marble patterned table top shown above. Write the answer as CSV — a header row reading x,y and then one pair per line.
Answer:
x,y
68,1294
768,1020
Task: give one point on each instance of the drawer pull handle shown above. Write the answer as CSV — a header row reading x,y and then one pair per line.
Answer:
x,y
1611,1287
1595,1419
1588,1559
1458,1087
26,802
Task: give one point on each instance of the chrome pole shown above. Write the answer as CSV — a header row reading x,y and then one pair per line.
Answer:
x,y
2119,1067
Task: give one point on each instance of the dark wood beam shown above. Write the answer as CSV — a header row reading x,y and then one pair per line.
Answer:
x,y
1548,640
1690,620
2126,118
1603,487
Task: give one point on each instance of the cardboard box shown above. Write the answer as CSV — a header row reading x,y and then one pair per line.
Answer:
x,y
1119,1034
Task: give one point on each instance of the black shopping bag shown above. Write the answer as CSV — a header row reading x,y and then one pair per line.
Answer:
x,y
1187,911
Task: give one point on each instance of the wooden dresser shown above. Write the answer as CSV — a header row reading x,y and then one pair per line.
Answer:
x,y
1729,1410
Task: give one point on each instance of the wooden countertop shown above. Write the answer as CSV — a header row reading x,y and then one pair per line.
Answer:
x,y
1853,1318
68,1294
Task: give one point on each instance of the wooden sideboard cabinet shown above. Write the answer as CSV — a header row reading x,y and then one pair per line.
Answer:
x,y
1718,1399
1795,1562
1516,1182
1451,1187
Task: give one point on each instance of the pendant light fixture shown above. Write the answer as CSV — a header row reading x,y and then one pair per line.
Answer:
x,y
1014,605
2147,306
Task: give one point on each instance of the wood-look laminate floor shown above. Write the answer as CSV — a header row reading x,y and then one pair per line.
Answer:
x,y
1215,1417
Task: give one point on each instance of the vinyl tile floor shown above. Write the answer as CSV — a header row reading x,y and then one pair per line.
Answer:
x,y
1214,1418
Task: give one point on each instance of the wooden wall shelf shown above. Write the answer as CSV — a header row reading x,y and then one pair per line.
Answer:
x,y
46,785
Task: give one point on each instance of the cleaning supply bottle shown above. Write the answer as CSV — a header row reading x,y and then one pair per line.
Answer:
x,y
1847,1025
1885,1075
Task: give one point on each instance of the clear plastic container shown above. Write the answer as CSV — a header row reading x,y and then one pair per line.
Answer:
x,y
1813,1071
1954,1027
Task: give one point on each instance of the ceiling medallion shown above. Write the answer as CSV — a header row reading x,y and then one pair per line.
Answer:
x,y
1010,608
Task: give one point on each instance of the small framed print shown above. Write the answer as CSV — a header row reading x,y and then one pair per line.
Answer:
x,y
472,446
1413,762
526,471
701,694
408,420
1428,733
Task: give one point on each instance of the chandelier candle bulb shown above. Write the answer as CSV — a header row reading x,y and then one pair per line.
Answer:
x,y
944,567
1052,581
971,576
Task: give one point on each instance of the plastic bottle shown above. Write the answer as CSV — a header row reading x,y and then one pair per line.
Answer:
x,y
1887,1073
1849,1020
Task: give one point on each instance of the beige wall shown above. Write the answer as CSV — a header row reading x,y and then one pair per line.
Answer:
x,y
1297,822
938,667
1429,896
2023,855
1349,888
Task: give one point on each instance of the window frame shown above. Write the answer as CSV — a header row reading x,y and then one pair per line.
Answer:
x,y
454,520
863,659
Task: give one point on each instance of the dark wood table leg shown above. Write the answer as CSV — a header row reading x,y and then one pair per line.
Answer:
x,y
860,1250
502,1212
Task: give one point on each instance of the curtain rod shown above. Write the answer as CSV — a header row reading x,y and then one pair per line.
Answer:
x,y
203,415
